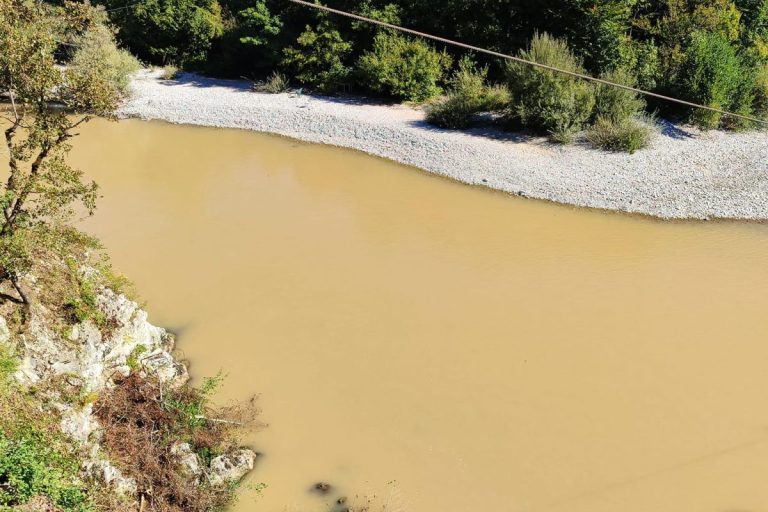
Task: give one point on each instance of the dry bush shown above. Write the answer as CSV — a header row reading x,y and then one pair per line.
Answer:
x,y
274,84
142,421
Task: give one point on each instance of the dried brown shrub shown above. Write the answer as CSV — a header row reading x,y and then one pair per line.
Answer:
x,y
142,422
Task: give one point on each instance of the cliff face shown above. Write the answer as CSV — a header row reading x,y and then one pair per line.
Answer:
x,y
87,359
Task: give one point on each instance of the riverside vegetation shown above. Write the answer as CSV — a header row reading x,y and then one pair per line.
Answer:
x,y
713,52
95,413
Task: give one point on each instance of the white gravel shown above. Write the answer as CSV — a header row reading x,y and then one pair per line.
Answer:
x,y
683,175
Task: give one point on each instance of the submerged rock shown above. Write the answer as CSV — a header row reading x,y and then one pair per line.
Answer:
x,y
322,487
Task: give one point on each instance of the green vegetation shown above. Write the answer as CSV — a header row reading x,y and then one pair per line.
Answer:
x,y
318,58
37,464
41,188
177,32
709,51
547,101
31,467
628,135
713,74
170,72
404,68
468,95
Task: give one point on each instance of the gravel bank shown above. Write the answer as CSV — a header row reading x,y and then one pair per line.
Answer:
x,y
683,175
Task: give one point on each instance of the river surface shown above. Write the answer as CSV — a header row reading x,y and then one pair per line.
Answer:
x,y
442,347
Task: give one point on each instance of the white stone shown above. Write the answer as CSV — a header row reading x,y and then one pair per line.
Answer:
x,y
231,467
5,333
79,423
105,472
188,459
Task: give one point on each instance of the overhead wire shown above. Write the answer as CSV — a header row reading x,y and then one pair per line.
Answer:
x,y
521,60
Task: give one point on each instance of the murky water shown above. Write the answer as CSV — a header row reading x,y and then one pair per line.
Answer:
x,y
445,347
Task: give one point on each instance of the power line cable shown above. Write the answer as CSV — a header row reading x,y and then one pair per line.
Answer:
x,y
528,62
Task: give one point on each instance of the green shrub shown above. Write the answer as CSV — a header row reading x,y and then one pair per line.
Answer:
x,y
31,467
134,358
546,101
626,134
713,75
318,58
274,84
614,103
469,94
453,112
403,67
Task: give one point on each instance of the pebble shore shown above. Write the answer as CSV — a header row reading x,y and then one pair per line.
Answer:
x,y
683,175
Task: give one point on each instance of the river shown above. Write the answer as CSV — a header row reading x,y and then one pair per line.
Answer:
x,y
444,347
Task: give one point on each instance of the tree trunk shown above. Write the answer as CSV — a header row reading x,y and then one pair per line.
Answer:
x,y
22,292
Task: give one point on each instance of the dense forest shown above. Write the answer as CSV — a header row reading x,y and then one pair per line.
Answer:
x,y
713,52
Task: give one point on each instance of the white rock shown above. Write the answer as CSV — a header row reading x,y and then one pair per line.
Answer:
x,y
189,460
5,333
231,467
79,423
105,472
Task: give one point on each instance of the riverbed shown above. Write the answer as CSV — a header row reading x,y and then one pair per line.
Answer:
x,y
438,346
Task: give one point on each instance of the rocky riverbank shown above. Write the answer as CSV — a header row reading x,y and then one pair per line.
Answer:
x,y
71,369
685,174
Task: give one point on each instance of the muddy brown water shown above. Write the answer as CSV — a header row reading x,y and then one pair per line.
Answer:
x,y
443,347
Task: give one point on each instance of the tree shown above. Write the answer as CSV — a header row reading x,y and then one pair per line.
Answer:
x,y
169,31
404,67
714,75
318,57
47,103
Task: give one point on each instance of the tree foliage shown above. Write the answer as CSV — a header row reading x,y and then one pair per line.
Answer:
x,y
404,67
40,189
713,75
169,31
318,57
